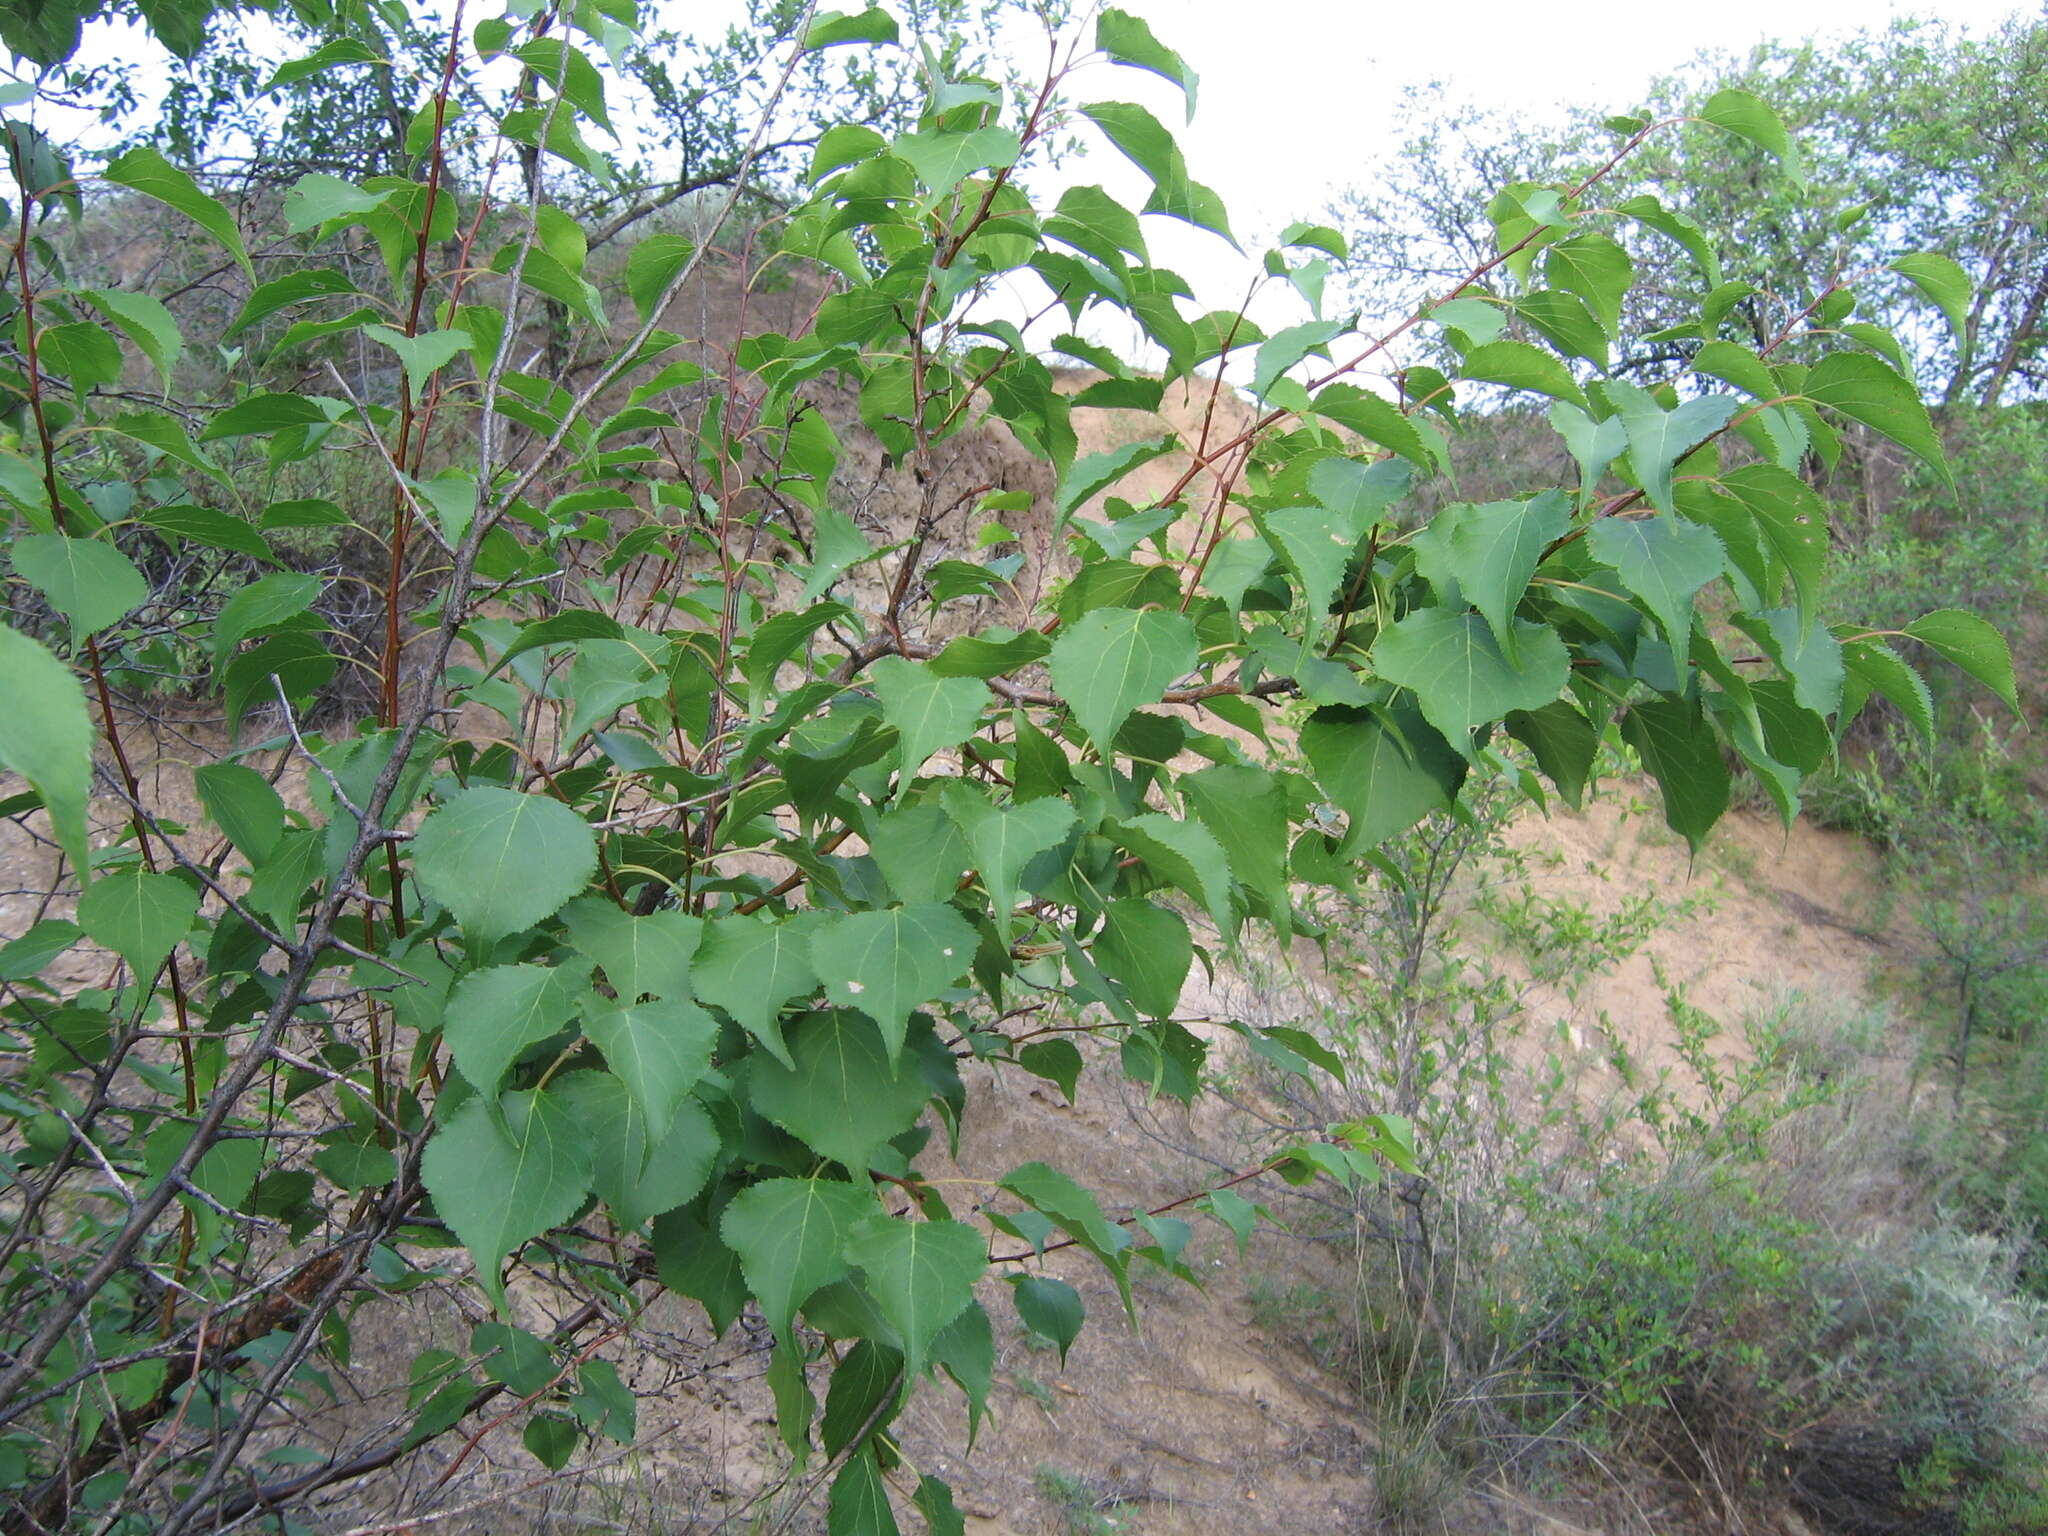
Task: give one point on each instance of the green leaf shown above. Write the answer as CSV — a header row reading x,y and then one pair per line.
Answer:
x,y
1099,471
285,292
1738,366
296,661
1377,420
1283,349
934,1500
751,967
263,604
921,1275
261,413
1873,665
521,1360
943,158
281,884
1052,1194
502,861
1564,744
204,525
795,1407
25,957
450,499
1002,841
138,915
1880,341
1475,319
1460,675
776,641
1057,1061
638,1177
1147,948
922,853
930,712
1315,547
1973,645
659,1050
1246,808
640,955
1867,389
790,1235
1146,143
1682,753
1050,1308
561,629
1664,561
1747,117
992,653
833,29
837,547
145,321
1806,651
1658,439
1567,323
1946,285
1792,522
965,1349
1115,659
1493,550
1518,365
305,512
1129,40
342,50
156,432
1183,854
859,1505
654,264
317,197
886,963
1384,780
1357,493
844,1096
551,1439
84,353
1651,214
1592,266
87,580
352,1167
145,170
46,736
842,145
494,1015
1594,444
570,72
424,355
501,1179
693,1262
243,805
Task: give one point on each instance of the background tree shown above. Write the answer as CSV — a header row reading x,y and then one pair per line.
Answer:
x,y
1914,138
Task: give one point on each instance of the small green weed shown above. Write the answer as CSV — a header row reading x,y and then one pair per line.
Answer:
x,y
1082,1510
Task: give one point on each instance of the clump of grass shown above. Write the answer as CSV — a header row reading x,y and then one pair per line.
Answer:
x,y
1082,1509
